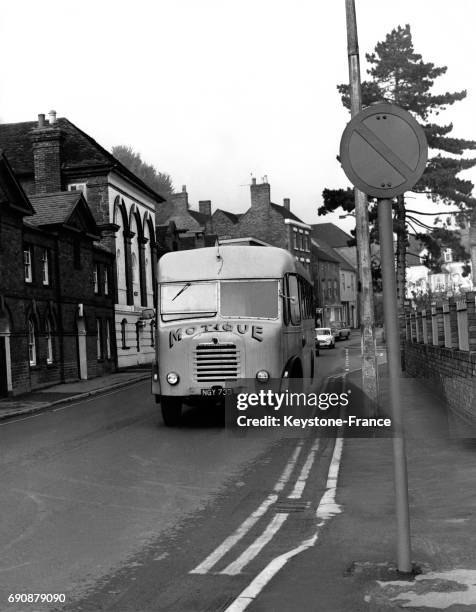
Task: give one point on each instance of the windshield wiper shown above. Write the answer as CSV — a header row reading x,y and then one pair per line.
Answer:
x,y
181,290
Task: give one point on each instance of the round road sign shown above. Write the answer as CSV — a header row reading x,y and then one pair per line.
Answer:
x,y
383,151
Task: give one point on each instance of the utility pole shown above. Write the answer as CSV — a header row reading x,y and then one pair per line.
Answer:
x,y
368,346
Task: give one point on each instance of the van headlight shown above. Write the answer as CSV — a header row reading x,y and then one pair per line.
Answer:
x,y
262,376
172,378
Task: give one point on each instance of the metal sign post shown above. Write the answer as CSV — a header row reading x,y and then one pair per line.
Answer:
x,y
390,308
384,153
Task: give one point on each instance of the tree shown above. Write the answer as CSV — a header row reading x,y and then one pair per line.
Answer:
x,y
158,181
400,76
440,239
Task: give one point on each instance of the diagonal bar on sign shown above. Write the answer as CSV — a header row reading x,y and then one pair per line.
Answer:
x,y
389,156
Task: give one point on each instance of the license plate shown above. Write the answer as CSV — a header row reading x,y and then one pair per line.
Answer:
x,y
215,392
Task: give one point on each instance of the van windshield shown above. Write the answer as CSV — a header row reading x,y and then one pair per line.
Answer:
x,y
188,300
249,299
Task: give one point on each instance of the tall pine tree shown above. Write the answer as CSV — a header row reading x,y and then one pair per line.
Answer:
x,y
400,76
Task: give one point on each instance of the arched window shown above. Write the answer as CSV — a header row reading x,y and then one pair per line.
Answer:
x,y
149,262
31,342
120,280
49,341
123,333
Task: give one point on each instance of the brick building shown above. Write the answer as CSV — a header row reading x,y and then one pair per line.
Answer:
x,y
342,247
54,155
326,275
274,224
224,223
56,292
192,225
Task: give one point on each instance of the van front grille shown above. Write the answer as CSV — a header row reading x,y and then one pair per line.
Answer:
x,y
216,362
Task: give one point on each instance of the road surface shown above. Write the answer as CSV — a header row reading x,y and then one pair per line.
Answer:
x,y
102,503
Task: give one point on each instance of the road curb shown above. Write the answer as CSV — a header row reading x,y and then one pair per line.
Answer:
x,y
72,398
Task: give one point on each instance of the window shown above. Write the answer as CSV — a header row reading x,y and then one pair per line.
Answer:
x,y
342,278
96,278
448,255
45,267
188,300
249,299
27,264
293,294
99,339
307,299
78,187
108,339
49,341
295,243
123,333
31,342
106,280
152,333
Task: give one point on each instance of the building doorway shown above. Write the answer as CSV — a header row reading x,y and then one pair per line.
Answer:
x,y
82,349
5,357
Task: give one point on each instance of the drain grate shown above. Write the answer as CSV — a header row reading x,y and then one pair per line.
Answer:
x,y
292,505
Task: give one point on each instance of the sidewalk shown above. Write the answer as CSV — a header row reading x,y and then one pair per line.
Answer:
x,y
42,399
352,565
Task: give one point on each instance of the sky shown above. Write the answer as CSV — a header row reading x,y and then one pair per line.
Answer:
x,y
214,92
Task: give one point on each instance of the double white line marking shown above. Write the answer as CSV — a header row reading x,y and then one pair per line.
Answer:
x,y
276,522
252,519
327,508
273,526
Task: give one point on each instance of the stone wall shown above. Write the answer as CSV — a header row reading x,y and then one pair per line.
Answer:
x,y
440,347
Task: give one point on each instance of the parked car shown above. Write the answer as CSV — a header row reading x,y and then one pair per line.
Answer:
x,y
324,337
343,330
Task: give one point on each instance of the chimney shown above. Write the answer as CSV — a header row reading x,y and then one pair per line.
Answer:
x,y
205,207
260,195
287,203
46,145
179,201
52,117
